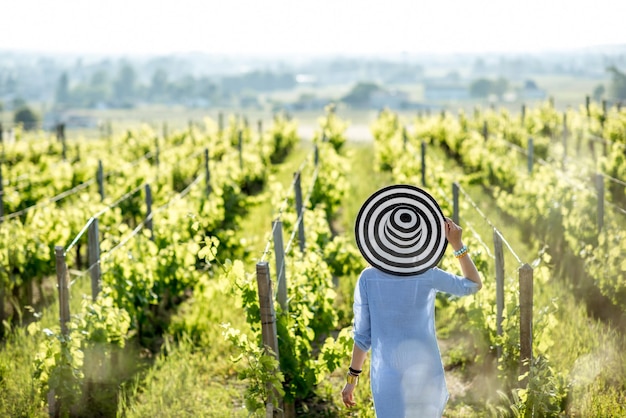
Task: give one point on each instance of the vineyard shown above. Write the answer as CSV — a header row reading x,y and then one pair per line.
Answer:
x,y
209,271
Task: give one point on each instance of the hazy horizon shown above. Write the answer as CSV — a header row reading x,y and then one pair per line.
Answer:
x,y
309,28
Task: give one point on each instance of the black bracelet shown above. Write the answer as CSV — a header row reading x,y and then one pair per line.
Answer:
x,y
355,372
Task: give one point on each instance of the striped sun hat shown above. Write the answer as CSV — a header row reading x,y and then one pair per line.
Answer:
x,y
400,230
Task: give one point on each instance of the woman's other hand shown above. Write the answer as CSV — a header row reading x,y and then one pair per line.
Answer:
x,y
347,395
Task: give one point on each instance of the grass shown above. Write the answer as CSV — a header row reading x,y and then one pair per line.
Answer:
x,y
194,375
587,355
18,351
17,394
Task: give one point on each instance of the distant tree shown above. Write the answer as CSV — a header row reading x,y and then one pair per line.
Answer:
x,y
618,83
530,85
158,85
62,94
360,94
453,76
18,103
26,117
500,86
125,84
99,87
480,88
479,66
11,84
598,92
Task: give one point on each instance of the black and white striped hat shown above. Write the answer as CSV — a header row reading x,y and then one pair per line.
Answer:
x,y
400,230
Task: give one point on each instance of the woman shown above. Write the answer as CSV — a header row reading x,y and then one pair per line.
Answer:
x,y
394,316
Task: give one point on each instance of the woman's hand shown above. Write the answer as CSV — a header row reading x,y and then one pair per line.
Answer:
x,y
347,395
453,234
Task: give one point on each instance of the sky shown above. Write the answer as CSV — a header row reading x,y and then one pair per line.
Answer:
x,y
305,27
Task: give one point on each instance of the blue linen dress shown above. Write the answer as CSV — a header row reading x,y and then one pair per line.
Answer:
x,y
395,317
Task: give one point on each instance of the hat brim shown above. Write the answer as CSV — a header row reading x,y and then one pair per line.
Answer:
x,y
400,229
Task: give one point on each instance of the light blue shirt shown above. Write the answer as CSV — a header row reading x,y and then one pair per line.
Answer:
x,y
395,317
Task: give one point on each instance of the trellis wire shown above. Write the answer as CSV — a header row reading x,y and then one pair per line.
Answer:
x,y
480,212
118,201
281,209
295,226
138,228
301,214
81,186
54,199
100,213
469,225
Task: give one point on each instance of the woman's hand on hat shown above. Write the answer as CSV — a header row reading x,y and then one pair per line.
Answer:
x,y
454,234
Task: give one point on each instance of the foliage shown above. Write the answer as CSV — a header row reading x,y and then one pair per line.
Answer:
x,y
26,117
360,94
332,129
284,138
309,316
141,284
618,83
262,372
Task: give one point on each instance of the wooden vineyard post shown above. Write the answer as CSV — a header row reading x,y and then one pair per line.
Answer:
x,y
405,138
268,325
579,140
485,131
149,223
2,143
455,202
497,245
1,309
299,211
157,151
207,172
279,251
190,129
316,154
94,355
100,178
1,195
424,163
523,116
531,155
64,299
220,123
94,257
600,192
1,220
602,121
61,138
54,406
564,138
240,148
260,133
526,320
